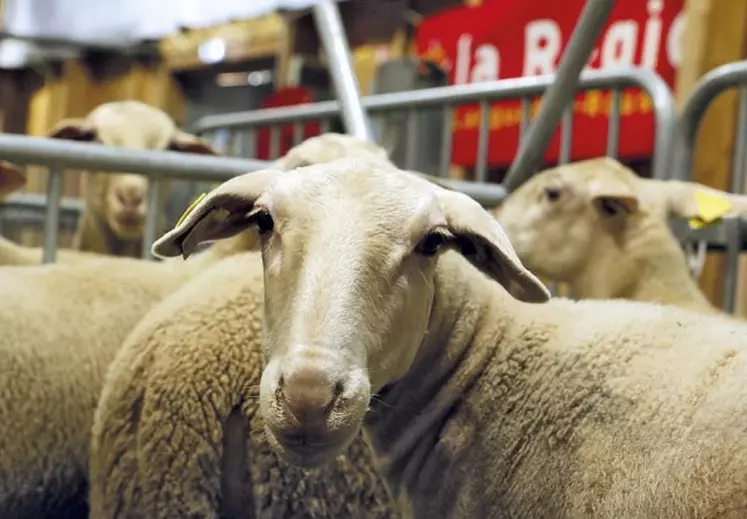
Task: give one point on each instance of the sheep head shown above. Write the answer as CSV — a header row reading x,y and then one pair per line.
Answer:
x,y
565,218
350,251
560,217
327,147
119,199
11,179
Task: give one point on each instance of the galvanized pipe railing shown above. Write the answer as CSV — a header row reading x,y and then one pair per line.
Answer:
x,y
707,89
59,154
448,97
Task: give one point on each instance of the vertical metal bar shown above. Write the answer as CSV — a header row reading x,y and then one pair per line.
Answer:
x,y
235,144
613,127
411,138
52,216
566,135
734,238
560,93
274,142
483,140
151,217
334,41
446,137
297,133
526,117
324,125
249,136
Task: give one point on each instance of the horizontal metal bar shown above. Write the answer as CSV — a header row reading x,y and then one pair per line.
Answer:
x,y
716,235
24,149
487,194
21,201
487,90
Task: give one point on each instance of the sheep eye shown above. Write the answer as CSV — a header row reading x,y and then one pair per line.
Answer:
x,y
552,194
264,222
431,244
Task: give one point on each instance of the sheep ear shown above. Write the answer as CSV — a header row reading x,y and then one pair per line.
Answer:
x,y
11,178
611,195
188,143
224,212
482,240
700,204
73,129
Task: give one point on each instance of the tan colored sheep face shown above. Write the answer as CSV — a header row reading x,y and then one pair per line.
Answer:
x,y
328,147
11,178
350,251
120,199
566,217
559,216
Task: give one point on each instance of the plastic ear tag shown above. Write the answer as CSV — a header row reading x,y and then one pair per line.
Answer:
x,y
710,207
190,209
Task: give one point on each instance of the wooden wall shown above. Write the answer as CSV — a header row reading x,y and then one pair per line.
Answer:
x,y
73,92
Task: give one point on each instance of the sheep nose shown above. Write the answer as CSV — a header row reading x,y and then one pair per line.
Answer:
x,y
309,393
130,197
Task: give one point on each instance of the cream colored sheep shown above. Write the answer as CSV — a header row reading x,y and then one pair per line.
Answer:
x,y
61,325
178,433
379,283
113,219
598,226
55,361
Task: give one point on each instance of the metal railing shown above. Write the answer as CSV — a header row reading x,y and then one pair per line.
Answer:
x,y
243,126
59,154
729,233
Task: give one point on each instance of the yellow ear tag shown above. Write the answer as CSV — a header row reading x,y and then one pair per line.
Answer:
x,y
710,208
190,209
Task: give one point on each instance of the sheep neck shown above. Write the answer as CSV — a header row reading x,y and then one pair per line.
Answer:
x,y
415,425
643,263
93,235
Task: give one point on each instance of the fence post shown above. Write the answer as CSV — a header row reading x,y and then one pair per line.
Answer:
x,y
557,97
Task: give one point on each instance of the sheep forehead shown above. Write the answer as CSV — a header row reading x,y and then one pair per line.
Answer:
x,y
357,193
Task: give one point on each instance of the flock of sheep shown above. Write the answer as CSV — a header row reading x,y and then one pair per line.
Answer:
x,y
360,341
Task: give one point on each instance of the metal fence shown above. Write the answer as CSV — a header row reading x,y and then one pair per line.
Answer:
x,y
729,234
243,126
57,154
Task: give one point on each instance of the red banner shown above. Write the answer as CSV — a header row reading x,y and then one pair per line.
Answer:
x,y
513,38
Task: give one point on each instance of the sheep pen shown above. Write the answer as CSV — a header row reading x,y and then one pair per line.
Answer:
x,y
492,400
62,326
598,226
178,432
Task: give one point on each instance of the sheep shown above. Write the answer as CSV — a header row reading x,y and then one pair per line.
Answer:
x,y
491,399
61,325
601,228
57,363
178,433
113,218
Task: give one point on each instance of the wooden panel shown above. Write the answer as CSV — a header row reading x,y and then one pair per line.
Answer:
x,y
714,35
244,40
